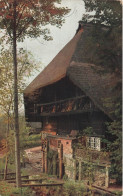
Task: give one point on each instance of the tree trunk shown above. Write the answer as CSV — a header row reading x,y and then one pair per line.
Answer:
x,y
6,166
16,116
6,163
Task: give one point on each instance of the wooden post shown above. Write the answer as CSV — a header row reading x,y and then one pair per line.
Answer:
x,y
80,171
41,161
54,165
46,149
45,162
60,151
74,169
107,177
93,193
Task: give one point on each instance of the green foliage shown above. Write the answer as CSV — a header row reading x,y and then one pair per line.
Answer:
x,y
7,189
115,147
3,127
2,165
113,140
52,161
30,18
26,140
105,40
65,177
31,141
103,12
88,131
72,189
118,193
10,166
20,19
89,171
26,68
23,191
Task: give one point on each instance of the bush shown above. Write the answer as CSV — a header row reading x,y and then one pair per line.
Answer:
x,y
71,189
9,190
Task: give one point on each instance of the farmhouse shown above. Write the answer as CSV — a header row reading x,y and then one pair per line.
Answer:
x,y
68,103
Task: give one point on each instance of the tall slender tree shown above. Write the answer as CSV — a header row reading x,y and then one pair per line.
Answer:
x,y
18,19
26,68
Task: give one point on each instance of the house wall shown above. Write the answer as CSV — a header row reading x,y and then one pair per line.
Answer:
x,y
64,124
60,90
57,91
67,145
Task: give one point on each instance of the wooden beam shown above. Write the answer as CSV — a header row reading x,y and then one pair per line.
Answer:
x,y
74,169
61,101
42,185
80,170
68,113
94,163
107,177
28,180
45,154
60,154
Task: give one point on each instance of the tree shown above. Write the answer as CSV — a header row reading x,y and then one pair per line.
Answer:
x,y
20,18
115,147
26,66
106,38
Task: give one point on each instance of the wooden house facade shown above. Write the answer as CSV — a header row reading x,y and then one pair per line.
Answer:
x,y
67,97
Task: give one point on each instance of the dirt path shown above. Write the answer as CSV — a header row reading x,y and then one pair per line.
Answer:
x,y
33,163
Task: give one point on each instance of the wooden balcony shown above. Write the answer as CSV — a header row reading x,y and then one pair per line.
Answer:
x,y
74,105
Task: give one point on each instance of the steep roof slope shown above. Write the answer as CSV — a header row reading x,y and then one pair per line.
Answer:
x,y
99,87
75,61
56,69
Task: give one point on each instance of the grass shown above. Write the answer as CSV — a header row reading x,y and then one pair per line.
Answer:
x,y
32,141
71,188
11,167
7,189
118,193
2,164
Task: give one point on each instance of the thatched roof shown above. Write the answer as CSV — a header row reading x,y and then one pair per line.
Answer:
x,y
99,87
56,69
76,50
75,61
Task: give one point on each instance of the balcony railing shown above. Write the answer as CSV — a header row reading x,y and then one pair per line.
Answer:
x,y
80,103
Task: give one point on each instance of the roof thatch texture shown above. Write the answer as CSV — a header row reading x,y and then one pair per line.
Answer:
x,y
56,69
76,61
99,87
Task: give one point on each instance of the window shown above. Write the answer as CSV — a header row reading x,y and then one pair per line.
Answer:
x,y
93,143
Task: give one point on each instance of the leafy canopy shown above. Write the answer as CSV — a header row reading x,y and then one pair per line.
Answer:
x,y
106,37
26,68
30,16
105,12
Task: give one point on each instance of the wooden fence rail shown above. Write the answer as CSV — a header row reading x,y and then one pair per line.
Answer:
x,y
11,176
28,180
42,185
8,175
